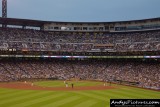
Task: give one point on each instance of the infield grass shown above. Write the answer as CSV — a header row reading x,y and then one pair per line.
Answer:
x,y
62,84
32,98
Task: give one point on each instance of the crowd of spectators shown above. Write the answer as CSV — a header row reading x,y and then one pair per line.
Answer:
x,y
145,73
35,40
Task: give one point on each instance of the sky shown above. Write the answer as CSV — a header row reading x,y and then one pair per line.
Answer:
x,y
83,10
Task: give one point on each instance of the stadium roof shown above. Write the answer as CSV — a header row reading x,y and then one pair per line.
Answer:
x,y
22,22
39,23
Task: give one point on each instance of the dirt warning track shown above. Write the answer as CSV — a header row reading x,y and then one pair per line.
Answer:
x,y
28,86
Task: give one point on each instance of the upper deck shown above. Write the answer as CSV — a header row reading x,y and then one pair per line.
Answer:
x,y
118,26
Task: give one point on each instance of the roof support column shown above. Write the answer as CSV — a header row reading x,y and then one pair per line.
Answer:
x,y
4,8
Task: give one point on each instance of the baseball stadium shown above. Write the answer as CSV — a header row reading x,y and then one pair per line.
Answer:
x,y
77,64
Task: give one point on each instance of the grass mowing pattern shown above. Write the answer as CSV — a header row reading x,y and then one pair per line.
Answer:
x,y
30,98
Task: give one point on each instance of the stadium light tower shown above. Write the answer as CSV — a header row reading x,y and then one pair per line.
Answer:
x,y
4,8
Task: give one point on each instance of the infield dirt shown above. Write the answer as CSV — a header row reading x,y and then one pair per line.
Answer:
x,y
28,86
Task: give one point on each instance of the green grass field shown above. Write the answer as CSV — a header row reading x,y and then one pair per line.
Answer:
x,y
32,98
61,83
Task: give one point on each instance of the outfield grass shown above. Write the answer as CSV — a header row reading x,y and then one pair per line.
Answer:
x,y
31,98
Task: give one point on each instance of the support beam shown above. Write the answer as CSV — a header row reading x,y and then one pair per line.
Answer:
x,y
4,8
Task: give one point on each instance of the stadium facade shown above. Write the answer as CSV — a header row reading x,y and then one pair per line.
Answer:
x,y
138,38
